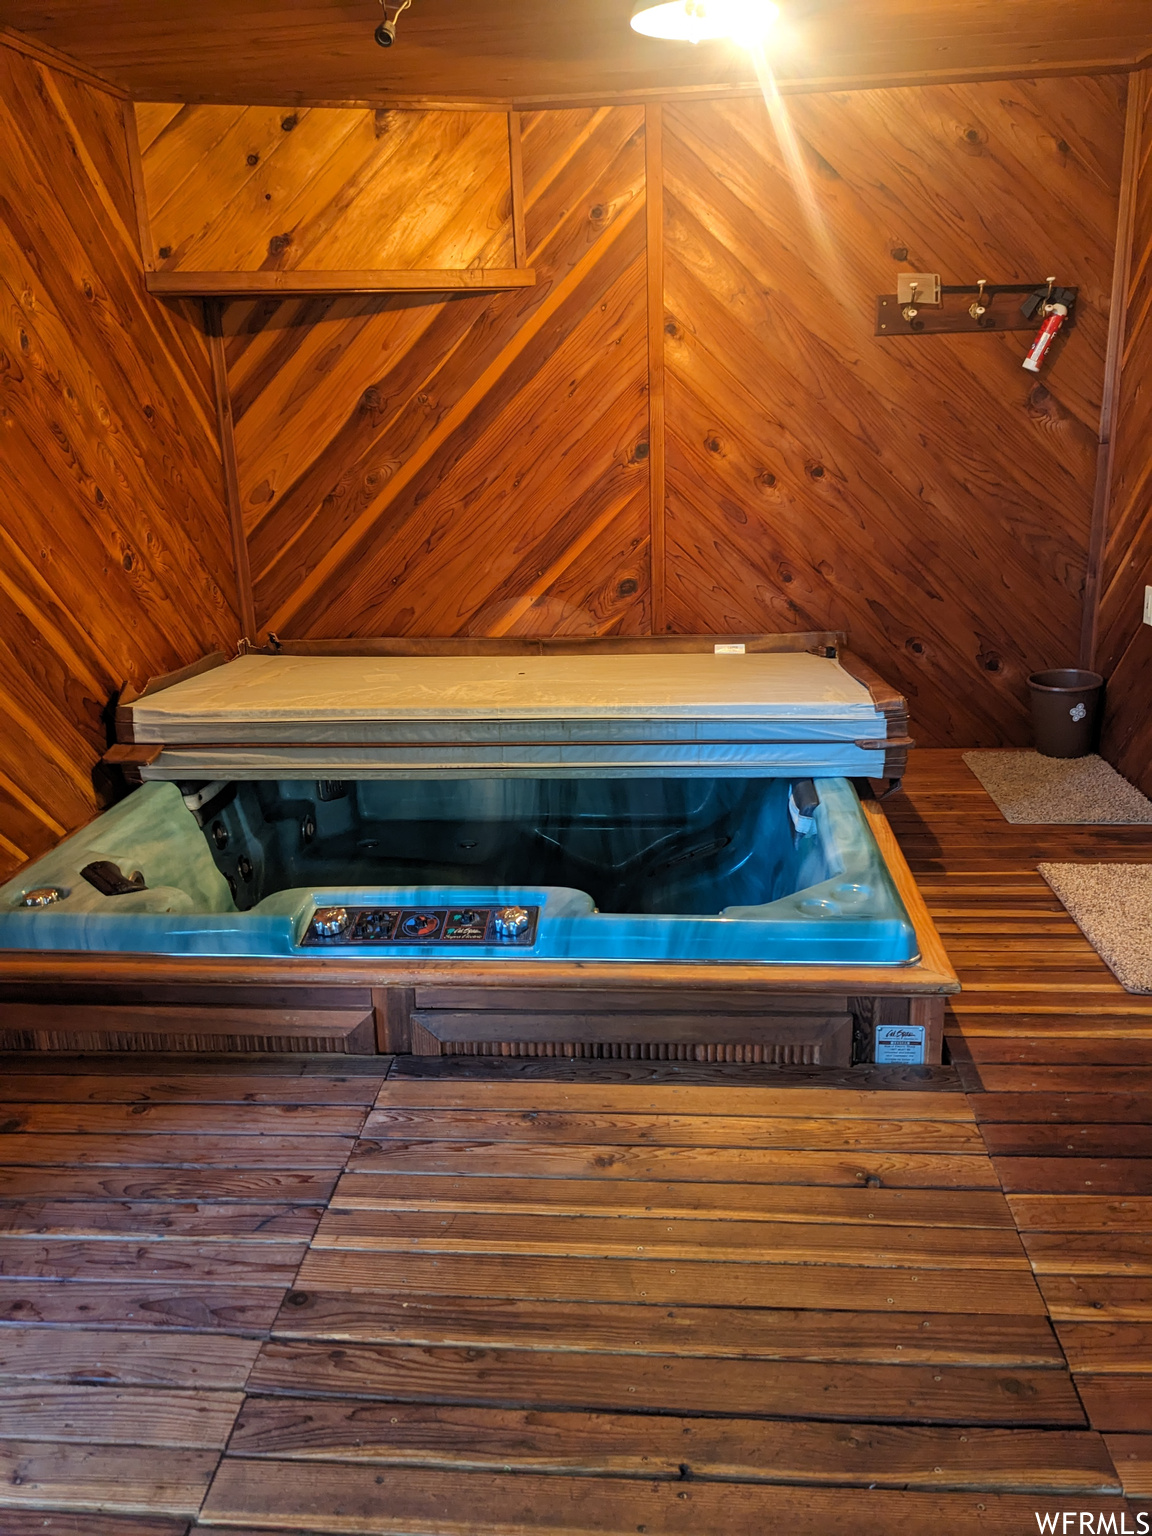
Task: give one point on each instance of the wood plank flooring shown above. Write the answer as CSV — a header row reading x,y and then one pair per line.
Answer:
x,y
153,1215
1057,1061
350,1295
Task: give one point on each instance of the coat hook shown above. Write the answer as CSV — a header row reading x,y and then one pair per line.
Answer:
x,y
910,311
979,308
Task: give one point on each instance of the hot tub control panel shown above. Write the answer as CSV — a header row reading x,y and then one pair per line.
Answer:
x,y
423,925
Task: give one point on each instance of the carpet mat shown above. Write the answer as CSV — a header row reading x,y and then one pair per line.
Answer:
x,y
1112,906
1059,791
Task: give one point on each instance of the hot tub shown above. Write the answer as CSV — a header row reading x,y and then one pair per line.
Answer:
x,y
753,870
659,848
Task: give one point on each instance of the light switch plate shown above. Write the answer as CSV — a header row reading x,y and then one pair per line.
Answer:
x,y
927,288
1148,605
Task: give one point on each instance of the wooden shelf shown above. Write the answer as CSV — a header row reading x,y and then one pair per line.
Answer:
x,y
220,284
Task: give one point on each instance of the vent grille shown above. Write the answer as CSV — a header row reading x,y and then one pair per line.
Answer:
x,y
806,1054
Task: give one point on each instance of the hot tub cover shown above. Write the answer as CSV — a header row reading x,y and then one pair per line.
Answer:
x,y
264,716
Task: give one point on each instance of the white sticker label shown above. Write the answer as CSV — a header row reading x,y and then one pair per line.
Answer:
x,y
728,650
900,1043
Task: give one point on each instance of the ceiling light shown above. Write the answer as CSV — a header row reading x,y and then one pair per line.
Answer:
x,y
698,21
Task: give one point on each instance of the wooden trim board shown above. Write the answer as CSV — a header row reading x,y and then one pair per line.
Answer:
x,y
516,167
1113,365
822,641
671,95
214,327
106,1027
52,58
293,283
654,214
136,171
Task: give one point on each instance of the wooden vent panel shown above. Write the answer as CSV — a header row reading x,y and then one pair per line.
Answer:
x,y
813,1039
55,1027
663,1025
815,1053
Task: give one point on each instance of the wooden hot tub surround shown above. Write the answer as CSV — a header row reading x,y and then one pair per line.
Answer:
x,y
818,1015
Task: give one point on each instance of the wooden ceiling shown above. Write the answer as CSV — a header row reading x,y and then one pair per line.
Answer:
x,y
539,52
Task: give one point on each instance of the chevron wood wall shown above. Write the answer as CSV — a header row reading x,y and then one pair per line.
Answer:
x,y
115,559
295,188
1124,646
703,346
924,493
470,466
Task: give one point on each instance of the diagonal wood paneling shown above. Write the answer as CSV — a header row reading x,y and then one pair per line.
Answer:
x,y
925,494
470,466
1124,650
480,464
114,550
283,188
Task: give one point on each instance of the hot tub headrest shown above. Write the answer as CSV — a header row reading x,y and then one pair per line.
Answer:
x,y
803,799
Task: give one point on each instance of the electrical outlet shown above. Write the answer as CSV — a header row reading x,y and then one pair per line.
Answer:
x,y
1148,605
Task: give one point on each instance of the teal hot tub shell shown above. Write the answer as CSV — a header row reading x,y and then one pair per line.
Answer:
x,y
697,869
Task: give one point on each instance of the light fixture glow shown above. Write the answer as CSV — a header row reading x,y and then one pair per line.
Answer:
x,y
699,21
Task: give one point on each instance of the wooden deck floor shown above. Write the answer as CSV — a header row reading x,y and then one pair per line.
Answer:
x,y
302,1296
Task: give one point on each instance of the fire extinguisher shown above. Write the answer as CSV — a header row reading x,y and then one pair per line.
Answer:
x,y
1054,304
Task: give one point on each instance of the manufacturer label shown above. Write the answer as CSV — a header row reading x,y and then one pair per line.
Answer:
x,y
728,650
900,1043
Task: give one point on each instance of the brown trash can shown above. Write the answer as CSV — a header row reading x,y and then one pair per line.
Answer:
x,y
1066,710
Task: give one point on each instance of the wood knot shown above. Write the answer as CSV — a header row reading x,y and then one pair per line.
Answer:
x,y
973,141
1044,407
279,244
1017,1388
372,400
